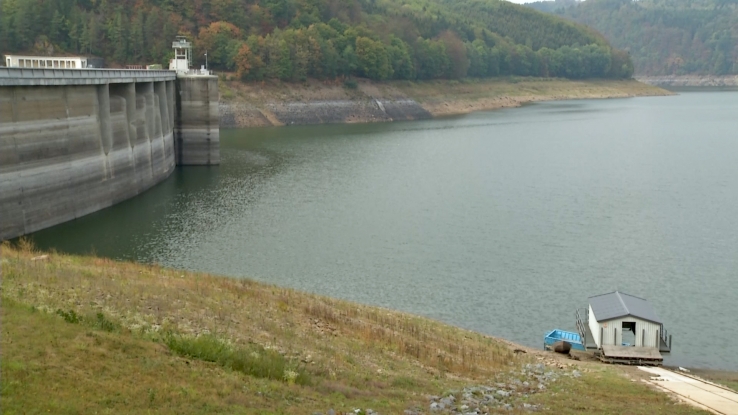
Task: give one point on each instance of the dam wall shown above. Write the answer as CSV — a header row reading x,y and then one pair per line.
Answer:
x,y
74,142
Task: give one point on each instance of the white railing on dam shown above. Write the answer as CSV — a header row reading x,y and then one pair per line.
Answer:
x,y
58,77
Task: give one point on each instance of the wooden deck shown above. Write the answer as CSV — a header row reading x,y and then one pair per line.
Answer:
x,y
629,355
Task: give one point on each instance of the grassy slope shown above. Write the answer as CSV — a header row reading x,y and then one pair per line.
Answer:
x,y
115,359
441,97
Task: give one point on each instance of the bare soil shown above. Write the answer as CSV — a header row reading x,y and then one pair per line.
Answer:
x,y
268,103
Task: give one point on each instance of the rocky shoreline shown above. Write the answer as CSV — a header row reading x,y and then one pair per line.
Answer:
x,y
510,392
321,112
690,80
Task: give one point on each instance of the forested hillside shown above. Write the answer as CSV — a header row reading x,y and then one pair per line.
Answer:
x,y
664,37
325,39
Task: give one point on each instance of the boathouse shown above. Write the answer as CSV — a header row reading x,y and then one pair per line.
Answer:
x,y
624,325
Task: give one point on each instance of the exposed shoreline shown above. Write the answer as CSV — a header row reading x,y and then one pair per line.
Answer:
x,y
690,80
275,104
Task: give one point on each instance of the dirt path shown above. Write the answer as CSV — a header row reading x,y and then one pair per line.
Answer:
x,y
697,392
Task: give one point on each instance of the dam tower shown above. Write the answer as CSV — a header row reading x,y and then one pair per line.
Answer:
x,y
197,130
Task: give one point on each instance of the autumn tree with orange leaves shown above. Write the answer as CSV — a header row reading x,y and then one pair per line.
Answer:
x,y
221,41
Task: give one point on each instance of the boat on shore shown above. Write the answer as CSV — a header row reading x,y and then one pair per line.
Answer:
x,y
555,336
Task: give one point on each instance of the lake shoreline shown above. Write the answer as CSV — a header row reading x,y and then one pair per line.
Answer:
x,y
313,102
690,80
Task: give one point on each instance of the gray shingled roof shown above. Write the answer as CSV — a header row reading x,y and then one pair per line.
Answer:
x,y
616,304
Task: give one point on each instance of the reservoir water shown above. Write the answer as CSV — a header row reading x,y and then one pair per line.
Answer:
x,y
503,222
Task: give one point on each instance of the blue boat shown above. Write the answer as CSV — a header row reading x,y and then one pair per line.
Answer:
x,y
560,335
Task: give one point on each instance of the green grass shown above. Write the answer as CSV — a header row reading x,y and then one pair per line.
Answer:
x,y
254,360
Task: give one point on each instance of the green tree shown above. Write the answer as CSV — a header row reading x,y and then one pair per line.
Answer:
x,y
456,51
137,47
400,59
372,58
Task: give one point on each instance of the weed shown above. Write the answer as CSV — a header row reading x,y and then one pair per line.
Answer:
x,y
254,360
152,396
350,84
404,382
101,322
69,316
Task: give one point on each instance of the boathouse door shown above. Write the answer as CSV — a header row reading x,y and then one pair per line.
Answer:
x,y
629,333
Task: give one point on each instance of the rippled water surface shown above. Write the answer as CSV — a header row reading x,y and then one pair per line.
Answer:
x,y
502,222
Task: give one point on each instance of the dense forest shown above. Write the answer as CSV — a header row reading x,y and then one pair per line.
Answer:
x,y
664,37
325,39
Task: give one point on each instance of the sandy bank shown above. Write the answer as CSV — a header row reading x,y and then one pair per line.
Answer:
x,y
315,102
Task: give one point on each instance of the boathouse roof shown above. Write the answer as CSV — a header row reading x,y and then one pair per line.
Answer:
x,y
616,304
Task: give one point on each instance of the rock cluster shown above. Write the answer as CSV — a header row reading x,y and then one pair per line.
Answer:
x,y
512,393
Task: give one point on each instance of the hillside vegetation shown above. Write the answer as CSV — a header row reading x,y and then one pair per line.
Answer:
x,y
91,335
325,39
664,37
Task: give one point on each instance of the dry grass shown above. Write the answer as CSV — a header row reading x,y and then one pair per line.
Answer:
x,y
355,356
728,379
458,97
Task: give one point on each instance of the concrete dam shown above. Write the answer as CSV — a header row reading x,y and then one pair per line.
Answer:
x,y
74,141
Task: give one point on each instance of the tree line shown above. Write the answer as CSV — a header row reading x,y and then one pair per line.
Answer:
x,y
296,39
664,37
